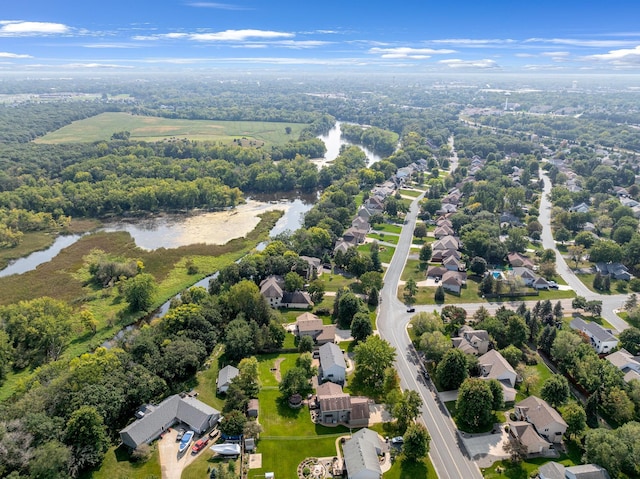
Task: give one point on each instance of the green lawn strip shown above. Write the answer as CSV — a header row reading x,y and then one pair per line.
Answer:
x,y
387,228
413,269
553,294
283,455
206,461
116,465
358,199
469,294
405,469
542,372
266,371
385,237
334,282
148,128
587,280
412,193
206,380
385,253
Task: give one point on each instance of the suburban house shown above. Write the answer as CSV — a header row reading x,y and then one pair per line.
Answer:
x,y
315,266
547,421
581,208
308,324
494,366
442,231
525,434
336,406
360,223
446,243
332,364
517,259
555,470
342,246
540,283
225,376
155,420
615,270
272,288
472,341
355,235
374,204
602,340
627,363
445,222
434,272
528,277
453,264
439,255
361,455
453,281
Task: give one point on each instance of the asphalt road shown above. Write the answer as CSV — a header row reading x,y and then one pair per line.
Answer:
x,y
446,454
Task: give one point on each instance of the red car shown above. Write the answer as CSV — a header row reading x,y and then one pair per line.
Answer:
x,y
199,445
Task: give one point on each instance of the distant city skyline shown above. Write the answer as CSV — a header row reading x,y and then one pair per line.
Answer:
x,y
403,37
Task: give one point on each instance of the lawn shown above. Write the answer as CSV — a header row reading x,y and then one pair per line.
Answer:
x,y
116,465
542,372
385,237
388,228
334,282
587,280
498,417
385,253
469,294
206,380
403,469
206,461
413,269
412,193
149,128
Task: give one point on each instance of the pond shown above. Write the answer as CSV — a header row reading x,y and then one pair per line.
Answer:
x,y
22,265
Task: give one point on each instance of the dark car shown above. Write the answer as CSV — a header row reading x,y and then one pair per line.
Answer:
x,y
411,309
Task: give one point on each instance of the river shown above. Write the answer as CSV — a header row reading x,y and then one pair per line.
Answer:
x,y
334,141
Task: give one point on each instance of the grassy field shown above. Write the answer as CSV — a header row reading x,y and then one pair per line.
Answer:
x,y
388,228
116,465
587,280
413,269
412,193
385,237
168,266
385,253
149,128
404,469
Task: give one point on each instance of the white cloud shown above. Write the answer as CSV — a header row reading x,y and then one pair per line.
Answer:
x,y
582,42
95,65
20,28
110,45
224,36
459,64
622,57
474,42
524,55
555,54
300,43
219,6
13,55
408,52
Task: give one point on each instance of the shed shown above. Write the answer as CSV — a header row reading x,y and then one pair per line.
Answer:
x,y
252,408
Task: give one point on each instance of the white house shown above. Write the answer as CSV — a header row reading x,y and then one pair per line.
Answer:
x,y
627,363
225,376
602,340
332,364
495,366
547,421
361,455
525,434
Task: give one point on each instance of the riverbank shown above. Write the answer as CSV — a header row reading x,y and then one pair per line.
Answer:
x,y
63,278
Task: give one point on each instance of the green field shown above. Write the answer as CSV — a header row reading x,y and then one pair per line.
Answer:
x,y
150,128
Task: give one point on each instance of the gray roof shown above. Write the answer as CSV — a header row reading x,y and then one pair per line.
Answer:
x,y
588,471
494,365
593,329
189,410
331,355
361,452
552,470
539,413
226,374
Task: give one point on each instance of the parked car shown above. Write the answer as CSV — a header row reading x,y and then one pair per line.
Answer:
x,y
200,445
411,309
397,440
553,285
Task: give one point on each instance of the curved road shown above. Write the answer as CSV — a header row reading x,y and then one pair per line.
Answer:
x,y
446,456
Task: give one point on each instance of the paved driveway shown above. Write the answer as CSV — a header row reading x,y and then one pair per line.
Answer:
x,y
485,449
172,464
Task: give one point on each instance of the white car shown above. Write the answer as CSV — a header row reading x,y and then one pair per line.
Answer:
x,y
397,440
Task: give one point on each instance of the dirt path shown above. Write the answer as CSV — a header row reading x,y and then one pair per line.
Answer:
x,y
276,369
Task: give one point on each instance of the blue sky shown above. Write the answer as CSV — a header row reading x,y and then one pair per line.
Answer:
x,y
347,35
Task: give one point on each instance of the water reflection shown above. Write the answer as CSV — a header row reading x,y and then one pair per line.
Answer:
x,y
35,259
333,141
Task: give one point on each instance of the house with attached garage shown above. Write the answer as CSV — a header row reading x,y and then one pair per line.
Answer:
x,y
155,420
361,455
627,363
494,366
547,421
602,340
333,367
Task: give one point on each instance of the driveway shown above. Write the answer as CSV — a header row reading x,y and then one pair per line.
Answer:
x,y
172,464
485,449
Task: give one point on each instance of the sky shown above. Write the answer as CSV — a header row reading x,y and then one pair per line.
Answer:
x,y
349,35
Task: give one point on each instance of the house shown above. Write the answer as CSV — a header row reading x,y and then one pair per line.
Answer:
x,y
365,213
451,263
528,277
341,246
447,208
434,272
199,416
445,243
602,340
555,470
444,222
590,227
361,455
525,434
225,376
540,283
442,231
308,324
627,363
336,406
510,219
374,204
360,223
315,266
581,208
517,259
272,290
473,341
296,300
253,407
332,364
615,270
441,254
494,366
355,235
547,421
453,281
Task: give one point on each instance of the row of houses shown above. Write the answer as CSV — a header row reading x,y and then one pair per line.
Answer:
x,y
523,268
446,250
